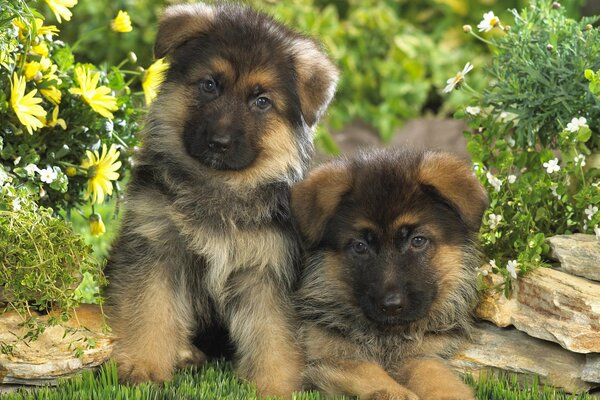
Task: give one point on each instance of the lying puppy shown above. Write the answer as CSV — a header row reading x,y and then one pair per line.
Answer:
x,y
207,256
391,271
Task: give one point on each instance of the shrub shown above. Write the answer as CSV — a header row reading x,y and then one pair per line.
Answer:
x,y
67,128
41,261
535,128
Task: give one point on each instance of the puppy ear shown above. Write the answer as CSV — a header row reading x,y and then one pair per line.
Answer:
x,y
315,199
317,79
180,23
455,181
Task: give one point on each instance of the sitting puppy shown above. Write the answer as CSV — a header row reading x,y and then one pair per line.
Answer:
x,y
390,279
206,258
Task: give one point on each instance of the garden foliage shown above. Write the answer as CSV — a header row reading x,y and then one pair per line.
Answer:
x,y
535,135
67,131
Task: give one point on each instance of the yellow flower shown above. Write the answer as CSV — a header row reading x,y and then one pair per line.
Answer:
x,y
39,25
42,30
97,97
52,94
97,227
101,171
33,70
55,120
122,23
153,78
26,106
60,8
40,49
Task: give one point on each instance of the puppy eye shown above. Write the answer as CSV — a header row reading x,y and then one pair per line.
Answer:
x,y
262,103
208,85
359,247
418,242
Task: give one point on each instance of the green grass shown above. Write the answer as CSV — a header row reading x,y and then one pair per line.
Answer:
x,y
216,381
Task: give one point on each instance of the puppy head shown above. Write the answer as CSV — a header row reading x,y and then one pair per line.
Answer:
x,y
243,91
398,227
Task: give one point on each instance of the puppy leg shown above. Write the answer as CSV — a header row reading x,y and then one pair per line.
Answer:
x,y
432,379
260,317
356,378
152,324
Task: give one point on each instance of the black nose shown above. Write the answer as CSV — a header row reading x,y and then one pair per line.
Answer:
x,y
219,143
392,303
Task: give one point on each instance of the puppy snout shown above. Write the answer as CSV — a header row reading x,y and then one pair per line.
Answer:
x,y
392,303
220,143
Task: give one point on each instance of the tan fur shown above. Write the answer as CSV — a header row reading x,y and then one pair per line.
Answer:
x,y
277,157
446,174
346,352
313,74
180,23
147,350
432,379
207,255
315,198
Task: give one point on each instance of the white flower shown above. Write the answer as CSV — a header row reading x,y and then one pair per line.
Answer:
x,y
576,124
495,182
507,116
489,22
16,204
3,176
512,179
47,175
590,211
31,169
472,110
579,160
457,79
512,268
511,142
494,220
493,264
17,160
553,188
552,166
597,231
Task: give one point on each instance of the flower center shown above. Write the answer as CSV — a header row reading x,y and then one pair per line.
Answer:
x,y
92,172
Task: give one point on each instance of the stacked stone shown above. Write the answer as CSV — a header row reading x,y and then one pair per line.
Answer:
x,y
54,354
550,327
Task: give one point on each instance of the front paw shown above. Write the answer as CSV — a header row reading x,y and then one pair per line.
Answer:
x,y
396,394
456,391
141,371
191,356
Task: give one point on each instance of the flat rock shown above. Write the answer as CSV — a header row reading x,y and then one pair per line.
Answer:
x,y
578,254
52,356
591,369
550,305
507,349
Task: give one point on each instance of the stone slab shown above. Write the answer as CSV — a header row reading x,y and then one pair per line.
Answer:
x,y
52,356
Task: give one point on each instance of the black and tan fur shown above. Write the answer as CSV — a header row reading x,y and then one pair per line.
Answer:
x,y
390,273
207,251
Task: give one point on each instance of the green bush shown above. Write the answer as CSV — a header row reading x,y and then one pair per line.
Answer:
x,y
41,261
393,56
535,136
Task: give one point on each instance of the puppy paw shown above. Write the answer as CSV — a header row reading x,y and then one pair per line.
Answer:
x,y
190,357
398,394
457,391
135,372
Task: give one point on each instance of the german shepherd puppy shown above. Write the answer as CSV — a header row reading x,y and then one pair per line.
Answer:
x,y
206,251
390,278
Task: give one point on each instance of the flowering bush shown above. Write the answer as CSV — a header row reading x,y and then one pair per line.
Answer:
x,y
41,263
67,131
67,128
535,134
